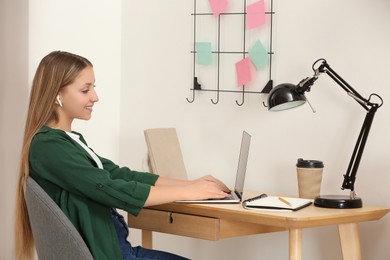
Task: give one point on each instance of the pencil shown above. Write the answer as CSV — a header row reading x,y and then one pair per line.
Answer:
x,y
285,201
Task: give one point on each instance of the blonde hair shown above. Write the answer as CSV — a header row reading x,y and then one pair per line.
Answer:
x,y
55,71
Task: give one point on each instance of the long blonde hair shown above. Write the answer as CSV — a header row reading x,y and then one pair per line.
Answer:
x,y
55,71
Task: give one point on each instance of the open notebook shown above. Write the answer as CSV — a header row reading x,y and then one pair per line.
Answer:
x,y
276,203
236,195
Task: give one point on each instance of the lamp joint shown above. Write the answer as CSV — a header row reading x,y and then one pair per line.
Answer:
x,y
348,182
352,195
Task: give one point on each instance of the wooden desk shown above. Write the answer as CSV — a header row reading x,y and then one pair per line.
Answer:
x,y
217,221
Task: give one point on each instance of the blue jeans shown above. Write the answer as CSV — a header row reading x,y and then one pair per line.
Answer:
x,y
134,253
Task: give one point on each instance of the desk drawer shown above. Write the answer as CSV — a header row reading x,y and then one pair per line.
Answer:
x,y
176,223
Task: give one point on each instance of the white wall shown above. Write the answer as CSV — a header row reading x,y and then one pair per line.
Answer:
x,y
93,30
157,75
13,99
141,53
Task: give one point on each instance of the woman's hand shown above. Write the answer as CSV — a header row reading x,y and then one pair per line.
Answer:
x,y
222,186
206,187
168,190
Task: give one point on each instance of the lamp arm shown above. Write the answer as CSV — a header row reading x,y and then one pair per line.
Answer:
x,y
325,68
350,176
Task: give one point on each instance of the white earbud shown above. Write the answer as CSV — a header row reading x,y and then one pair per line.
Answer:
x,y
59,100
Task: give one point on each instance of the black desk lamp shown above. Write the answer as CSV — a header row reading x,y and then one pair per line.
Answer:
x,y
286,96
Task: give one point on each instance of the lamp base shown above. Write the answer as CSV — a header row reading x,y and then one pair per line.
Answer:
x,y
338,202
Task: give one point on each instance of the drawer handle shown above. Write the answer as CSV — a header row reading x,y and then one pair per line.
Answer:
x,y
170,218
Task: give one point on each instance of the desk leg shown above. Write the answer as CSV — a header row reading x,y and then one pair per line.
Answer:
x,y
350,243
295,235
147,239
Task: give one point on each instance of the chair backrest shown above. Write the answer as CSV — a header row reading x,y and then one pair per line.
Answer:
x,y
55,236
165,157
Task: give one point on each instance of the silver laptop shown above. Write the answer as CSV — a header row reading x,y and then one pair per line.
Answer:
x,y
236,194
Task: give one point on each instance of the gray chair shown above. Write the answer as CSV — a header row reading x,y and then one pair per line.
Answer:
x,y
55,236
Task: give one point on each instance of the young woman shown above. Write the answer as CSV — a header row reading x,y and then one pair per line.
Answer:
x,y
88,188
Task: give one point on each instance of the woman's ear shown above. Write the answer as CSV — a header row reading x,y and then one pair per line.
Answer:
x,y
59,100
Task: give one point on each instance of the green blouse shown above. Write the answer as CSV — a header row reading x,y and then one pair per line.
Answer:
x,y
84,192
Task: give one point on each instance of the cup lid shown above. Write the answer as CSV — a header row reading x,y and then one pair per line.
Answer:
x,y
301,163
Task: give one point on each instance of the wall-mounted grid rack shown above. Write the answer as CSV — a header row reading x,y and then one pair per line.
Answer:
x,y
197,86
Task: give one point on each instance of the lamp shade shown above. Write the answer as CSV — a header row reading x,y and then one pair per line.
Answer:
x,y
284,96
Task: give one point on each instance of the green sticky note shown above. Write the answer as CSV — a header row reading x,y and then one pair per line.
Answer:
x,y
204,53
259,55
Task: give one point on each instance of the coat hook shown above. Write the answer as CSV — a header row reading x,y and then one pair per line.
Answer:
x,y
243,97
197,86
240,104
215,102
193,98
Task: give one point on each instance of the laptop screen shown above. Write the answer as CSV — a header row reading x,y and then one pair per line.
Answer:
x,y
242,163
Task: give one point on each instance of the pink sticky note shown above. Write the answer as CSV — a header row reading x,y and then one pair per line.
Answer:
x,y
255,15
218,6
244,71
